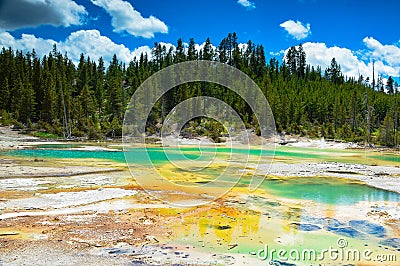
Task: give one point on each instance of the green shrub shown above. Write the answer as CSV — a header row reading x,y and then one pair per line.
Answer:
x,y
5,118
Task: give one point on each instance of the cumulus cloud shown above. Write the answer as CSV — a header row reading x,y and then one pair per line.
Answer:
x,y
26,43
388,53
355,63
93,44
247,4
89,42
15,14
318,54
124,18
296,29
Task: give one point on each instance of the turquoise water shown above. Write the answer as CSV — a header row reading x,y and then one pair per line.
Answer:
x,y
68,154
156,154
390,158
322,190
327,190
137,156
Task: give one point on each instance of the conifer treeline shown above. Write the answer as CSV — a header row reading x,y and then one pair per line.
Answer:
x,y
53,95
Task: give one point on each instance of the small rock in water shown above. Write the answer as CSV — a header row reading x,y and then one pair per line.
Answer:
x,y
9,234
281,263
224,227
305,227
391,242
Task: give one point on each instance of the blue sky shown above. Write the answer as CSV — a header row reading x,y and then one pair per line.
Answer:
x,y
354,32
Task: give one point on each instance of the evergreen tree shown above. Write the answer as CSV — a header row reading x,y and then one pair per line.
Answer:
x,y
207,51
114,88
99,87
27,103
180,55
4,95
192,53
301,62
88,98
389,85
291,60
47,109
334,73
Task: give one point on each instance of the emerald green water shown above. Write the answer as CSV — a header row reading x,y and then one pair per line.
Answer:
x,y
327,190
321,190
68,154
137,155
390,158
156,154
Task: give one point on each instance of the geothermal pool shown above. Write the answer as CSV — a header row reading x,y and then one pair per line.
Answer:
x,y
294,208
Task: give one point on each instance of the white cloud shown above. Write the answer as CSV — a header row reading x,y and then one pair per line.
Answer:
x,y
247,4
281,52
89,42
296,29
243,46
26,43
32,13
355,63
320,54
387,53
93,44
124,18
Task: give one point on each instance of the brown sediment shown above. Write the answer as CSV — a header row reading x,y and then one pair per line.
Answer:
x,y
90,228
65,236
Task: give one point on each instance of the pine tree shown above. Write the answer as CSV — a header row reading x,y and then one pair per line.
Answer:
x,y
180,55
192,53
27,103
291,60
85,99
334,73
86,102
99,87
114,88
15,97
389,85
386,131
301,62
4,95
223,53
207,51
47,111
